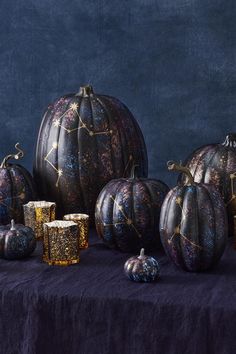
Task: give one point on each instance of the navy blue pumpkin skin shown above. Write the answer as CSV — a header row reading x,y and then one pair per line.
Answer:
x,y
193,224
142,268
127,213
85,140
16,189
16,241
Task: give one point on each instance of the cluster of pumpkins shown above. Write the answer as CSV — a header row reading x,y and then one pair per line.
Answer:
x,y
91,158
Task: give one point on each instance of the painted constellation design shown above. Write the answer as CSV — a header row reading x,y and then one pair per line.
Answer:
x,y
232,176
57,124
177,228
127,220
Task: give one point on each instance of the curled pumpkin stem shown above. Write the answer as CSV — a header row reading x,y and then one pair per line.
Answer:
x,y
16,156
133,171
174,166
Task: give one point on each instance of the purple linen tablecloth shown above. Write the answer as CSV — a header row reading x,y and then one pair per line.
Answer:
x,y
92,308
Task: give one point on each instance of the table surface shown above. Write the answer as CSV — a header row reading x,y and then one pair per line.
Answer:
x,y
92,307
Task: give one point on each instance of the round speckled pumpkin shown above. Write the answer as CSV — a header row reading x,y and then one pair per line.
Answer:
x,y
85,140
216,164
142,268
16,188
193,223
16,241
127,213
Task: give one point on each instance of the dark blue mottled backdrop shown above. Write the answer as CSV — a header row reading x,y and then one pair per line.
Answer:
x,y
173,62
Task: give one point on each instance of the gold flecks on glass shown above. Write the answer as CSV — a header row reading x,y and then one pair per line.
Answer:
x,y
36,213
82,220
60,243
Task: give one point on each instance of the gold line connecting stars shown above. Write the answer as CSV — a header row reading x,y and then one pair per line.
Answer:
x,y
59,171
127,221
177,228
232,176
74,107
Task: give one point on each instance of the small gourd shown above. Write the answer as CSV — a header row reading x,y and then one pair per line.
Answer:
x,y
142,268
16,241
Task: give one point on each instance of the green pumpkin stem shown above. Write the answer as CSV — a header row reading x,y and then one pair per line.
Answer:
x,y
173,166
13,225
133,174
17,156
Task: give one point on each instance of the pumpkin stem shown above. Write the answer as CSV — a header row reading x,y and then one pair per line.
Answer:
x,y
141,253
17,156
133,174
173,166
13,225
230,140
86,90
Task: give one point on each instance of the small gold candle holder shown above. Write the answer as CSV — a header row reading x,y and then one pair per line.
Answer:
x,y
36,213
60,243
82,220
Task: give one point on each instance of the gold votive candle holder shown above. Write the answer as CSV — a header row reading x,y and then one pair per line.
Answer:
x,y
82,220
60,243
36,213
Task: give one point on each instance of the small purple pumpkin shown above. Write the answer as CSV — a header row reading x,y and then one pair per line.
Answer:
x,y
193,223
128,211
142,268
16,241
16,188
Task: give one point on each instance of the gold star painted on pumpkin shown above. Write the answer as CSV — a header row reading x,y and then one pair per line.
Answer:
x,y
74,106
60,172
178,200
56,123
55,145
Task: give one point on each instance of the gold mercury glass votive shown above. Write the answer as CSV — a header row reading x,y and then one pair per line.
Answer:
x,y
82,220
36,213
60,243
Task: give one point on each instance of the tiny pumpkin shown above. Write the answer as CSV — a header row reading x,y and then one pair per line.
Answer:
x,y
16,241
127,213
16,188
142,268
193,223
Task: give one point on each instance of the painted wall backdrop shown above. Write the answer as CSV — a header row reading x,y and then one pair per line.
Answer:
x,y
172,62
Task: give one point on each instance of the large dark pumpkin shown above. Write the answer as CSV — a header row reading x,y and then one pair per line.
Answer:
x,y
85,140
16,189
127,213
216,164
193,224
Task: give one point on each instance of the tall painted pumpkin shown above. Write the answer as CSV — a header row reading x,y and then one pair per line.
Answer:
x,y
216,163
127,213
193,223
85,140
16,188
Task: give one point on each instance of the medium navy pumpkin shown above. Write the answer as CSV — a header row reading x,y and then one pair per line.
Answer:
x,y
142,268
85,140
127,213
216,164
193,224
16,188
16,241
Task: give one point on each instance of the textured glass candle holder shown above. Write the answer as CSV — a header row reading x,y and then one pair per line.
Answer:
x,y
36,213
60,243
82,220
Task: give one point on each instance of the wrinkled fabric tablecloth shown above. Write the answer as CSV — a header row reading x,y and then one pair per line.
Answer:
x,y
93,308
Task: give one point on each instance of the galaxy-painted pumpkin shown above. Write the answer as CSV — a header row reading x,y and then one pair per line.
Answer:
x,y
216,164
16,241
16,188
193,223
85,140
142,268
128,211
